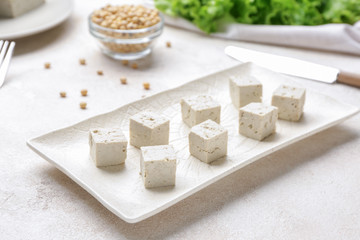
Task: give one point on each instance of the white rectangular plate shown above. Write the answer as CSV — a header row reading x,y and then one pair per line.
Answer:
x,y
120,188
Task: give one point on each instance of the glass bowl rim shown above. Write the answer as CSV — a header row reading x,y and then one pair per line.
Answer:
x,y
95,27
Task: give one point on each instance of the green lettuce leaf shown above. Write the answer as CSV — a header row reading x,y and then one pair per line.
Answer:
x,y
208,15
342,11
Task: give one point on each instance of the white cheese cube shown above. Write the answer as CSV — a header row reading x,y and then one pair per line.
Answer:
x,y
245,90
208,141
15,8
158,166
198,109
149,129
107,146
290,102
257,120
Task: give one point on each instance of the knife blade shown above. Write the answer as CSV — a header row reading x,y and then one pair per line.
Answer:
x,y
294,67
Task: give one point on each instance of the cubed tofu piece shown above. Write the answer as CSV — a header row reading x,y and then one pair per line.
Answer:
x,y
208,141
257,120
15,8
158,166
198,109
290,102
107,146
245,90
149,129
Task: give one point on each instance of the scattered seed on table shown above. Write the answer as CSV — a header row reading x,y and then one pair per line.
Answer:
x,y
134,66
168,44
82,61
84,92
125,62
123,80
47,65
146,85
63,94
83,105
100,72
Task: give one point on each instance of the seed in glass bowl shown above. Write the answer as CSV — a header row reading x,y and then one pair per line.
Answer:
x,y
126,29
125,17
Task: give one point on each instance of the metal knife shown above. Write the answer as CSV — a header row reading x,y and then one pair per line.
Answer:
x,y
295,67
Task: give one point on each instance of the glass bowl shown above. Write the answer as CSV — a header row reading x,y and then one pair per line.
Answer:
x,y
126,44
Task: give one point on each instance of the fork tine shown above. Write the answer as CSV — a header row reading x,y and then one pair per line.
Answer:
x,y
1,43
3,51
6,63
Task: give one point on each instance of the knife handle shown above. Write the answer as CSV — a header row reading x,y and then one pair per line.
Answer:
x,y
352,79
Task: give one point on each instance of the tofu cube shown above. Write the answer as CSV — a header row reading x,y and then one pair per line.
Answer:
x,y
245,90
15,8
208,141
290,102
107,146
257,120
198,109
149,129
158,166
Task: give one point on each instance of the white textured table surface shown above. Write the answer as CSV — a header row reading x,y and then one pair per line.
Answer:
x,y
310,190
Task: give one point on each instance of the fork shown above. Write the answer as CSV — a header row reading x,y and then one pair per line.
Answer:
x,y
6,52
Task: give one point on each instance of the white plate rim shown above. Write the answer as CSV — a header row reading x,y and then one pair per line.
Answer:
x,y
43,27
31,143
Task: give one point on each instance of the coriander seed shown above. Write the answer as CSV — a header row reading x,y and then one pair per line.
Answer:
x,y
63,94
126,17
146,85
82,61
83,105
100,72
168,44
47,65
125,62
84,92
134,66
123,80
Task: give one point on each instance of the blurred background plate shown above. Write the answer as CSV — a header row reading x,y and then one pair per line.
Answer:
x,y
48,15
